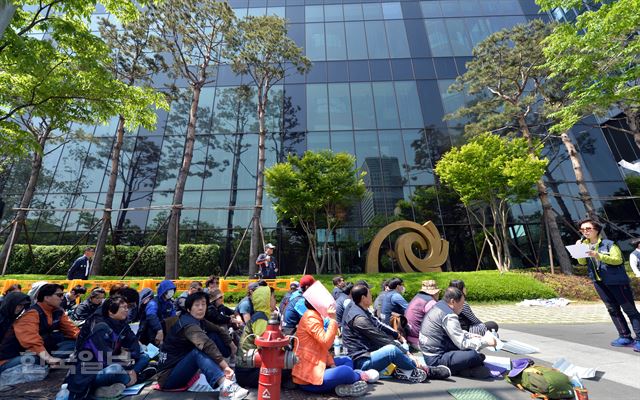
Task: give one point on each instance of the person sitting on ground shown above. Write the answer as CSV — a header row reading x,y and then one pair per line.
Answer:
x,y
88,306
418,307
100,348
338,286
394,305
44,330
296,307
342,301
194,344
159,309
12,306
194,286
211,284
468,320
16,287
220,314
317,371
377,305
293,287
33,292
265,304
146,295
69,300
132,297
81,267
442,340
372,344
245,307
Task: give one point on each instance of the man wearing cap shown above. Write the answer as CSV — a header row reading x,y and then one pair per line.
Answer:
x,y
418,308
245,307
634,257
266,263
293,287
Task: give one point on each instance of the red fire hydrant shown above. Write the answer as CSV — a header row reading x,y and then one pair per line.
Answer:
x,y
272,358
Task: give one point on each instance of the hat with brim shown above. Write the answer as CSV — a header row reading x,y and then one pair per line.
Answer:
x,y
430,287
518,365
634,242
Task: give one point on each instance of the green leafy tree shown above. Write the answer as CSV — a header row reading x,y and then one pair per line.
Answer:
x,y
133,64
264,52
67,82
27,81
491,172
503,77
597,57
315,192
194,34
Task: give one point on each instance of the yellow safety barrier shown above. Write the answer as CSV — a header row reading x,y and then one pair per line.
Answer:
x,y
226,285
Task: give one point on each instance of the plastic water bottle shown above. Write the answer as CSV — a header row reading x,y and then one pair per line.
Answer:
x,y
63,394
337,346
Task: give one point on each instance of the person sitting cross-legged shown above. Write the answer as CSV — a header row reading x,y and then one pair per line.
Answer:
x,y
418,308
88,306
157,311
194,344
100,347
317,371
443,342
44,330
372,344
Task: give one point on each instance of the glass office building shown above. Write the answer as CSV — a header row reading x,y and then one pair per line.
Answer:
x,y
377,90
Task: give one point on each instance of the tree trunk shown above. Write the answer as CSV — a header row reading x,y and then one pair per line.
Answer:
x,y
173,241
27,196
585,196
96,267
553,184
633,120
233,196
547,209
256,232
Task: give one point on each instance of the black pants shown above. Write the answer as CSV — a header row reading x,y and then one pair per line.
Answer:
x,y
619,298
457,361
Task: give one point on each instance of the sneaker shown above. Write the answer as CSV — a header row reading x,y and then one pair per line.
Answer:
x,y
622,342
370,376
147,374
438,372
114,390
356,389
412,375
636,345
232,391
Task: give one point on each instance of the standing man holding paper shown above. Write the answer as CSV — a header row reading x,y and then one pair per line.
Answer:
x,y
606,270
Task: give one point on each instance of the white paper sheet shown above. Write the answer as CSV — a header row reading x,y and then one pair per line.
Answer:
x,y
502,362
578,250
630,166
134,327
570,369
152,350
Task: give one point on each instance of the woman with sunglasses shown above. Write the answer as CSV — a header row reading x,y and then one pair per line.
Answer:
x,y
606,269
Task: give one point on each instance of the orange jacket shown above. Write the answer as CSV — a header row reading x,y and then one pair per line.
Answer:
x,y
27,329
313,349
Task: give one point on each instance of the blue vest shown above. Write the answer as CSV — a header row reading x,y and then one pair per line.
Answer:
x,y
600,271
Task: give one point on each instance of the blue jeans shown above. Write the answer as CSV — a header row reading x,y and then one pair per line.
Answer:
x,y
381,358
342,374
189,366
115,373
619,298
13,362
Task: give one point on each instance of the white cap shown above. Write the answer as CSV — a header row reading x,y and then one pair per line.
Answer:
x,y
269,246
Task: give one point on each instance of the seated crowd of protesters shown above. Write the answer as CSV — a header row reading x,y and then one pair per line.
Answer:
x,y
197,334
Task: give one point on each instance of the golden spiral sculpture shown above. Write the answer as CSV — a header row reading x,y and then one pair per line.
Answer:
x,y
426,237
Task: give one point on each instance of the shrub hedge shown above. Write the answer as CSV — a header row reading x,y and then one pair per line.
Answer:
x,y
195,260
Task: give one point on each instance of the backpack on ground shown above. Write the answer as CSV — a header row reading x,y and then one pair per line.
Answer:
x,y
542,382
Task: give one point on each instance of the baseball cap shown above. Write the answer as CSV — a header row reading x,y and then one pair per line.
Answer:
x,y
307,281
294,284
269,246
